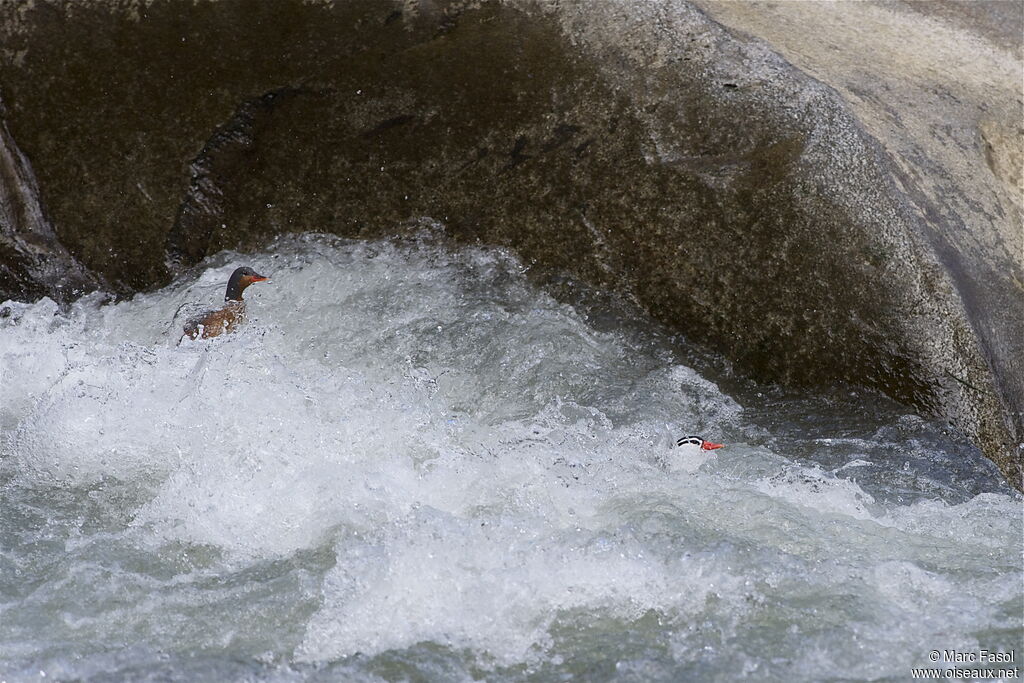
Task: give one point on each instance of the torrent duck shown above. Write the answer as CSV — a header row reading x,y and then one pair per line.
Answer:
x,y
695,454
226,319
691,441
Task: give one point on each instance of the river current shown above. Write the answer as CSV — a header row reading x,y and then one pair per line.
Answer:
x,y
413,463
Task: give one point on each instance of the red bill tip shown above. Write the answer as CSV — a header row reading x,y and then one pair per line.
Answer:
x,y
710,446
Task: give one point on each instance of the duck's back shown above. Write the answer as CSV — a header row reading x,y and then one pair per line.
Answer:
x,y
214,323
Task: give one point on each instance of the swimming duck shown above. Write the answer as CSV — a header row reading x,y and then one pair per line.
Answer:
x,y
695,454
226,319
691,441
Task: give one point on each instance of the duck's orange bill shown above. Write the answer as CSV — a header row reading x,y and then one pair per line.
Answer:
x,y
710,446
259,278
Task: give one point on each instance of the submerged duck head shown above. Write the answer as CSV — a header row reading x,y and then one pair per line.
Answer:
x,y
704,445
239,280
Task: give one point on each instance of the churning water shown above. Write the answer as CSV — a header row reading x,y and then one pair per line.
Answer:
x,y
412,463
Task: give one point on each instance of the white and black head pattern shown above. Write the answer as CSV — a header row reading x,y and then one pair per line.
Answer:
x,y
699,442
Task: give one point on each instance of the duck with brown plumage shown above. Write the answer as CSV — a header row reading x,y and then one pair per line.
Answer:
x,y
231,315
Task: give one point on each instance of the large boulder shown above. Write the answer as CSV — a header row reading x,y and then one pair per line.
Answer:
x,y
939,85
637,146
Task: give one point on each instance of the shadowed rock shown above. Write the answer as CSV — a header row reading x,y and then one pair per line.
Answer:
x,y
33,263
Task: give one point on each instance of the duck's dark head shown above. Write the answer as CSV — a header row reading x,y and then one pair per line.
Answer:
x,y
239,280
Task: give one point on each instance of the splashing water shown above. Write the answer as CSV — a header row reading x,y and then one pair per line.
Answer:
x,y
413,463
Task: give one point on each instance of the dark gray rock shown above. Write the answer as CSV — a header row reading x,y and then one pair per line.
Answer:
x,y
638,147
33,263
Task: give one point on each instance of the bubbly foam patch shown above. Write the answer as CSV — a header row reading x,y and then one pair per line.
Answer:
x,y
410,457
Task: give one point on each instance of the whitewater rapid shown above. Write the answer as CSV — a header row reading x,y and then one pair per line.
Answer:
x,y
412,462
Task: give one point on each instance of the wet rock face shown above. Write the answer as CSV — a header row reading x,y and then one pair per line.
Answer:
x,y
734,198
33,262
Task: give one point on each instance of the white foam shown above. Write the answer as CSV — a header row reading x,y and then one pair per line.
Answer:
x,y
487,471
496,587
